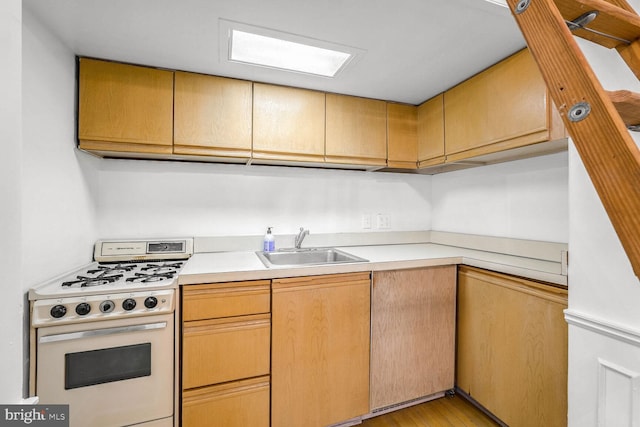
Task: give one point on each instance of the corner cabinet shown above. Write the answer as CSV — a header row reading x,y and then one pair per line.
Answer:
x,y
412,334
512,347
356,131
320,349
402,136
504,107
288,124
430,118
124,108
225,354
212,116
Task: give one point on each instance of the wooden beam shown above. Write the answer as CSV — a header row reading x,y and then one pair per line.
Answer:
x,y
620,22
628,105
610,156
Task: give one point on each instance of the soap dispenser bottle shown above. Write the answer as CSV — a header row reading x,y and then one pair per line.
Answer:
x,y
269,243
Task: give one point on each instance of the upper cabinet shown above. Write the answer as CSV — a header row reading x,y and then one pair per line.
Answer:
x,y
503,107
502,113
430,117
212,116
288,124
124,108
402,136
356,131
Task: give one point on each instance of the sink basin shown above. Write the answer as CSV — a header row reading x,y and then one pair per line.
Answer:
x,y
312,256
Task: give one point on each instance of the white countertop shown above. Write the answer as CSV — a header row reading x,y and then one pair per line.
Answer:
x,y
244,265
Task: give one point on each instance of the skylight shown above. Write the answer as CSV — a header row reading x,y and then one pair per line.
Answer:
x,y
273,49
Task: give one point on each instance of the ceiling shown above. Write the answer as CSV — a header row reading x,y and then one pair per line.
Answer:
x,y
414,49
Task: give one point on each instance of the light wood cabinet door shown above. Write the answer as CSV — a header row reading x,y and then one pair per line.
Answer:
x,y
212,116
512,347
214,300
288,124
431,132
124,108
356,130
503,107
402,136
237,404
412,334
227,349
320,349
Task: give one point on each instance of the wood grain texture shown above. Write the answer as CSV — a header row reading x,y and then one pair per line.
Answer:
x,y
412,334
609,154
237,404
431,131
628,105
320,350
444,412
615,17
631,55
220,350
505,104
356,130
288,123
209,301
122,104
212,115
402,136
512,347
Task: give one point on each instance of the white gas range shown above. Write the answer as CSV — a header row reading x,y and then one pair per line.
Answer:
x,y
103,334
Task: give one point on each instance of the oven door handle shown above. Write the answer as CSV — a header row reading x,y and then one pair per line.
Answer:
x,y
101,332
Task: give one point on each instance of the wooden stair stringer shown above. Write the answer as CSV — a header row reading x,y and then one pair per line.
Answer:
x,y
609,154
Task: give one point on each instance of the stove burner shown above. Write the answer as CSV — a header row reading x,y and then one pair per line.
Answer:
x,y
150,277
112,268
166,267
101,279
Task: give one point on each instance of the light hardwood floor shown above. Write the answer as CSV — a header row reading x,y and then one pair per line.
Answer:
x,y
444,412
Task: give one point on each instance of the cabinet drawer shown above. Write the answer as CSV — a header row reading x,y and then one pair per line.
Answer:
x,y
221,350
238,404
225,300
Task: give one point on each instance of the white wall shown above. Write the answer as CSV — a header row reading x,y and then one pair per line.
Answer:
x,y
604,320
11,315
150,198
58,216
524,199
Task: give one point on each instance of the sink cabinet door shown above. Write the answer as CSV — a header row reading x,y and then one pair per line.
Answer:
x,y
412,334
320,349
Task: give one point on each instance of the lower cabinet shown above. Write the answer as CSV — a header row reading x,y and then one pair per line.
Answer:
x,y
412,334
240,403
512,347
320,349
225,356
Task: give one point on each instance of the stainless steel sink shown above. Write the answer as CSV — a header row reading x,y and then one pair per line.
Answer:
x,y
311,256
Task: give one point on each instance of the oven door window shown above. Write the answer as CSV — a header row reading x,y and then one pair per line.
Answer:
x,y
107,365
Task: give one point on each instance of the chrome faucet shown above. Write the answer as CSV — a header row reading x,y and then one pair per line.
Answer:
x,y
300,237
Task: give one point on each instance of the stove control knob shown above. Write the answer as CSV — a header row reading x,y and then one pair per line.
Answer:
x,y
83,309
129,304
150,302
107,306
57,311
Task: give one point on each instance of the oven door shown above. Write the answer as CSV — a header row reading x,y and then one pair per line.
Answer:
x,y
110,373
